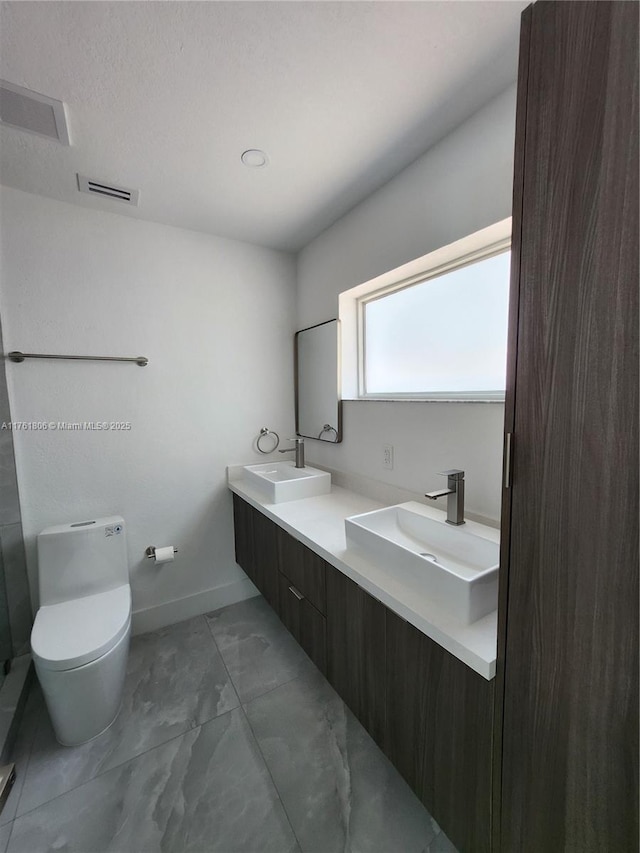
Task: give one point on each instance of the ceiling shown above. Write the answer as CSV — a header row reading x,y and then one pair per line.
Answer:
x,y
165,96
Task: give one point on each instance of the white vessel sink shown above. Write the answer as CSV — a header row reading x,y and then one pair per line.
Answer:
x,y
282,481
456,569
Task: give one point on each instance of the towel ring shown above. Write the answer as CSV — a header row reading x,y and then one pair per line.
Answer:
x,y
328,428
266,431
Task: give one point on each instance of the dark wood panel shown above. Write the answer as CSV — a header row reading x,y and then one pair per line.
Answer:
x,y
313,635
439,733
306,623
569,631
257,548
289,611
243,535
356,650
509,415
304,569
265,558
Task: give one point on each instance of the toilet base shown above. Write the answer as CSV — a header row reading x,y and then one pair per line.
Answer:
x,y
83,702
95,737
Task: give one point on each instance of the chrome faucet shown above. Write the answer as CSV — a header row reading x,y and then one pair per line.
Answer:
x,y
455,492
299,449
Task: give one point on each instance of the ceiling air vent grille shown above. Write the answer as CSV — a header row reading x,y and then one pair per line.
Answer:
x,y
105,190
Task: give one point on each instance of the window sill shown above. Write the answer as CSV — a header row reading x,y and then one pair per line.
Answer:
x,y
399,398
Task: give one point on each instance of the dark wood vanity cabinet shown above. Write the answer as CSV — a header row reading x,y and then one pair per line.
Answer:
x,y
257,549
430,713
265,558
306,623
289,575
243,535
356,650
302,595
304,569
439,716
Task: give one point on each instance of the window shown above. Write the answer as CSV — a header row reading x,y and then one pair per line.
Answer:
x,y
440,336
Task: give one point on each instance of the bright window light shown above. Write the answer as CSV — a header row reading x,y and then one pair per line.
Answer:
x,y
443,337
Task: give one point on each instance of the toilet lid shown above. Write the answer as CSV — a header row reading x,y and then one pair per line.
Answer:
x,y
73,633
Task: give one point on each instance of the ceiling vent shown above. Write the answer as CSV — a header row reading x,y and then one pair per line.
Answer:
x,y
105,190
26,110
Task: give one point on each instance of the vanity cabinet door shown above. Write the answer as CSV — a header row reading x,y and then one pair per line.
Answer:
x,y
305,570
567,679
257,548
439,716
356,652
302,619
265,558
243,535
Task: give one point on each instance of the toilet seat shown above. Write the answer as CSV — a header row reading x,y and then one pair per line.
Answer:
x,y
76,632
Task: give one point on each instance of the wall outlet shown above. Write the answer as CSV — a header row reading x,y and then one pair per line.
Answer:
x,y
387,455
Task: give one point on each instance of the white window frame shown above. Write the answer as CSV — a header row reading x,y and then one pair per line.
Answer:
x,y
431,266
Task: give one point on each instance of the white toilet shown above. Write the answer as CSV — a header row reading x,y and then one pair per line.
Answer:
x,y
80,637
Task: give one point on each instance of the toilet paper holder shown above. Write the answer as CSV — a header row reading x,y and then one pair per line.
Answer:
x,y
150,552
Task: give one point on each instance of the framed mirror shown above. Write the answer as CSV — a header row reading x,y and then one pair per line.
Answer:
x,y
317,378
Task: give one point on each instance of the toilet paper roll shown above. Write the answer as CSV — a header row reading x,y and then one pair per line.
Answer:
x,y
164,555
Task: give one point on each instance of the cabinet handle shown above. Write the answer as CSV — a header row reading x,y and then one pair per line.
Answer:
x,y
297,594
508,455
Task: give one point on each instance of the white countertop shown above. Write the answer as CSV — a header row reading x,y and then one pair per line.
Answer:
x,y
319,524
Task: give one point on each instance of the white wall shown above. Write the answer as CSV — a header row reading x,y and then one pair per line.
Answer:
x,y
461,185
214,317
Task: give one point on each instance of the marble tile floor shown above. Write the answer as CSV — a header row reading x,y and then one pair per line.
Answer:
x,y
229,740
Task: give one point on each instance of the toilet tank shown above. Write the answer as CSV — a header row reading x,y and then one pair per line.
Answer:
x,y
82,558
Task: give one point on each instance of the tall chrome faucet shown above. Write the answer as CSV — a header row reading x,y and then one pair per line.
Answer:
x,y
299,450
455,493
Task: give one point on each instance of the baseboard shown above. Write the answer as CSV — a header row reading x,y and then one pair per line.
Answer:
x,y
152,618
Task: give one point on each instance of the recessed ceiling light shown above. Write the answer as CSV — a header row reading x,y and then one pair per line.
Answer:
x,y
254,158
26,110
